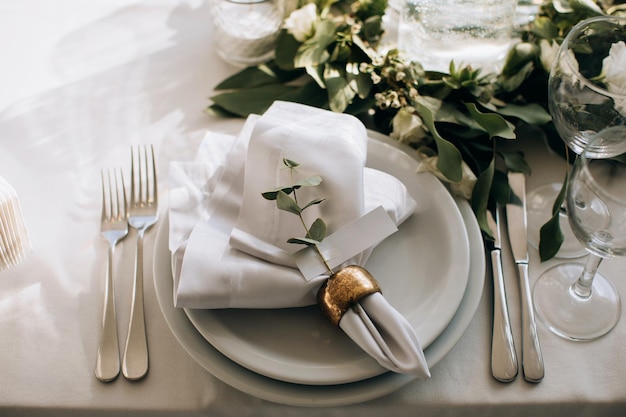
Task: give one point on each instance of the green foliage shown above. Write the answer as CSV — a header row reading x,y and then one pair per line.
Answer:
x,y
550,236
316,232
465,112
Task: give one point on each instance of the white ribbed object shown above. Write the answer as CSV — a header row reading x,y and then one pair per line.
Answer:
x,y
14,240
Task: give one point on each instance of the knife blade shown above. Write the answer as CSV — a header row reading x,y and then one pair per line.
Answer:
x,y
504,366
532,359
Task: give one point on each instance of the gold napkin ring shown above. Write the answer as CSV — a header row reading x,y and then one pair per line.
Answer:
x,y
343,289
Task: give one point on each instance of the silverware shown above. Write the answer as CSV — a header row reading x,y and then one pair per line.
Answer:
x,y
143,213
114,227
503,357
532,360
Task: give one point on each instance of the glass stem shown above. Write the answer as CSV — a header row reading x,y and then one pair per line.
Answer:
x,y
582,286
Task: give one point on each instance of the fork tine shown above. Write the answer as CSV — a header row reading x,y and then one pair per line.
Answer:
x,y
134,176
144,178
114,200
125,196
155,194
109,195
120,196
104,195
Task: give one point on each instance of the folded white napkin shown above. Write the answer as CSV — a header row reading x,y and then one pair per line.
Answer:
x,y
229,243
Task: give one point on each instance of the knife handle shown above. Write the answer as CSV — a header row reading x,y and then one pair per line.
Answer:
x,y
503,357
532,359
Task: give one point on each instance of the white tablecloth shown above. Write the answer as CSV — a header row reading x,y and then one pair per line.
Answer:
x,y
82,81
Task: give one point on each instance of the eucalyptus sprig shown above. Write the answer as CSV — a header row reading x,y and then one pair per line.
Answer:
x,y
316,232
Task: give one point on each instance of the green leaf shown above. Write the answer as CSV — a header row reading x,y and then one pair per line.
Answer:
x,y
270,195
340,92
514,81
447,112
248,78
545,28
283,75
361,52
216,110
313,51
371,8
303,241
251,101
316,72
313,202
494,124
285,202
361,106
372,29
289,163
518,57
364,85
550,238
516,162
317,231
312,181
550,235
586,6
340,53
273,194
480,196
500,190
449,161
286,49
309,93
531,113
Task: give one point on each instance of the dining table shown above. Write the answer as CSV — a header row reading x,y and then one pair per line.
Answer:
x,y
80,84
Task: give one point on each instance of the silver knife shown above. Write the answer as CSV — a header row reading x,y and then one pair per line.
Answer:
x,y
503,357
532,360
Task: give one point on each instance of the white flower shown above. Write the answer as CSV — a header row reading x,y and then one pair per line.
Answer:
x,y
613,67
301,22
407,127
462,189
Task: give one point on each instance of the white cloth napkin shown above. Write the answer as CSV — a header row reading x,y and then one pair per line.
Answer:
x,y
229,243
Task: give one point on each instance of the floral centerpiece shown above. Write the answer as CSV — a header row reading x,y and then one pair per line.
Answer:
x,y
329,55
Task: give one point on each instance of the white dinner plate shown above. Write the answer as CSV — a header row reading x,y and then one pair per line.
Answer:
x,y
423,270
281,392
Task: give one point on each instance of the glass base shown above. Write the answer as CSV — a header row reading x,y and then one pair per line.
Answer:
x,y
569,315
539,204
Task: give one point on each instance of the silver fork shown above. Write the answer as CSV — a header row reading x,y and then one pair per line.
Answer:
x,y
114,227
143,213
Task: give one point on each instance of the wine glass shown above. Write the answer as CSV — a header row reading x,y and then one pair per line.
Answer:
x,y
584,97
574,300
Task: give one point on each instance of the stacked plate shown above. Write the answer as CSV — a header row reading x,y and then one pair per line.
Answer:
x,y
14,240
431,271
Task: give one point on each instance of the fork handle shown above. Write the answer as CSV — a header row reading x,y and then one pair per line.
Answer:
x,y
135,363
108,357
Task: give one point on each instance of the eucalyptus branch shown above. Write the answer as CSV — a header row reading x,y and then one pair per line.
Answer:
x,y
316,232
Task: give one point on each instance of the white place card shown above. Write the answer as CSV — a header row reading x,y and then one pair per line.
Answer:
x,y
347,242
